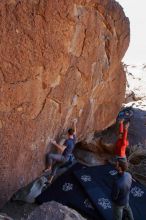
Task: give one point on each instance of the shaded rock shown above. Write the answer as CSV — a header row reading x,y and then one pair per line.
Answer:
x,y
4,217
137,129
31,191
99,146
89,158
137,163
56,65
18,210
55,211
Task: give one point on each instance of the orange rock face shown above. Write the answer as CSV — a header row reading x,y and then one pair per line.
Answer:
x,y
59,60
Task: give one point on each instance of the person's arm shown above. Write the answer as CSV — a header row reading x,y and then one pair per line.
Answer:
x,y
125,132
60,147
74,126
121,126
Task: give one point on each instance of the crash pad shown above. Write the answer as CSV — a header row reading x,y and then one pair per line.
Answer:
x,y
97,183
67,190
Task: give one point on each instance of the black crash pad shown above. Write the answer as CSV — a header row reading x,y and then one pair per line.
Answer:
x,y
67,190
97,183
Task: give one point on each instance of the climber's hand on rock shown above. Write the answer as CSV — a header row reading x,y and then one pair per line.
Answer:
x,y
53,142
75,121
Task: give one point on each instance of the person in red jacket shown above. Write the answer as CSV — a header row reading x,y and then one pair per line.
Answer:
x,y
122,142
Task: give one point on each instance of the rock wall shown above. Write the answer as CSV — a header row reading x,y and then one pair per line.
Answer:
x,y
59,60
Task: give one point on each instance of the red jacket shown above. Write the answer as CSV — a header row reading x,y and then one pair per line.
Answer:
x,y
121,143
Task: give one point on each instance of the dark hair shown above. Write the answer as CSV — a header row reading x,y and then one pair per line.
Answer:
x,y
71,131
123,165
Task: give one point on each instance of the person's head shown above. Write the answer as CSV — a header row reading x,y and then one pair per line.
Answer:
x,y
70,132
120,135
121,166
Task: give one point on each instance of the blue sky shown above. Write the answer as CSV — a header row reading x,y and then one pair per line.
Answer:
x,y
136,11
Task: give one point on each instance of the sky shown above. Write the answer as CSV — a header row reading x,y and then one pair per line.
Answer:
x,y
136,12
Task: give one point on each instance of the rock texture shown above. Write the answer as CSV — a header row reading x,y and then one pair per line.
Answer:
x,y
59,60
55,211
50,210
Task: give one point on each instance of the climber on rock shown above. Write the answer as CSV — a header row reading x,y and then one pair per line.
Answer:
x,y
122,142
66,150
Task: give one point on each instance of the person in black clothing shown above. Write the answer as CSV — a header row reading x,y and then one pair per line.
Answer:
x,y
121,191
66,151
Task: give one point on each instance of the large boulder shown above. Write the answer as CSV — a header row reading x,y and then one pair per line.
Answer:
x,y
59,60
55,211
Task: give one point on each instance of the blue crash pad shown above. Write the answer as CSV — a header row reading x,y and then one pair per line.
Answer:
x,y
67,190
97,183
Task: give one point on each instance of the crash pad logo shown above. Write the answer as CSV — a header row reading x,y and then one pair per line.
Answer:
x,y
67,187
137,192
104,203
113,172
88,204
86,178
